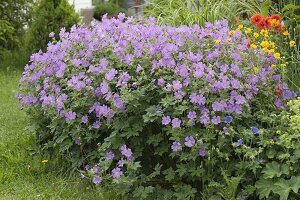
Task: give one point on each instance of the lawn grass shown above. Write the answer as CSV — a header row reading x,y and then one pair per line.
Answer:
x,y
23,175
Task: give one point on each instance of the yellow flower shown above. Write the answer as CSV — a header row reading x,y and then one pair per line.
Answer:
x,y
271,51
239,28
273,66
255,69
217,41
277,55
44,161
254,46
286,33
231,32
248,30
266,49
292,43
229,39
264,32
272,45
264,44
283,65
255,34
274,22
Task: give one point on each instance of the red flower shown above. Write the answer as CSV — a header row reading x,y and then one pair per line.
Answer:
x,y
261,25
268,22
279,91
249,43
276,16
256,19
278,28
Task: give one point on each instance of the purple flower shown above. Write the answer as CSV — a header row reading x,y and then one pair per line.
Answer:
x,y
96,125
86,167
84,119
189,141
51,35
77,141
70,116
239,142
96,169
176,85
278,103
228,119
176,123
125,151
166,120
202,152
254,130
216,120
109,155
116,173
176,146
121,162
97,180
192,115
161,82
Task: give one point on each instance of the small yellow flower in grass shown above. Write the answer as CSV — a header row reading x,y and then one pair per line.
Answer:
x,y
255,69
285,33
240,27
229,39
272,45
264,32
248,30
264,44
266,49
231,32
45,161
292,43
277,55
271,51
255,34
273,66
217,41
254,46
283,65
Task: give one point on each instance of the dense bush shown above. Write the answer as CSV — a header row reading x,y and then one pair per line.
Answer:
x,y
160,112
49,16
108,8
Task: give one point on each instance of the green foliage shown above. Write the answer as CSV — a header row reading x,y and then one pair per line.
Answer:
x,y
189,12
49,16
7,37
111,9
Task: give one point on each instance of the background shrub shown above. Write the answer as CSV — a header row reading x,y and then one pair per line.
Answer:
x,y
151,111
49,16
111,9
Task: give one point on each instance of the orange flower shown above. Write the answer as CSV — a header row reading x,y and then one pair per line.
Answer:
x,y
261,25
276,16
237,20
256,19
249,43
268,22
278,28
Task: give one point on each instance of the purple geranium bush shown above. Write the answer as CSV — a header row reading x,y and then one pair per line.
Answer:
x,y
152,108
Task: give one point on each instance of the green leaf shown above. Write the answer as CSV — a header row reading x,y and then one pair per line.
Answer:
x,y
295,183
265,8
264,187
169,174
142,192
274,169
283,189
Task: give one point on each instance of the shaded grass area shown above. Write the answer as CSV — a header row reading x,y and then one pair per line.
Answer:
x,y
22,174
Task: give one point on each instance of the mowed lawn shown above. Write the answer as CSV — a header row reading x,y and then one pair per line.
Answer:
x,y
22,173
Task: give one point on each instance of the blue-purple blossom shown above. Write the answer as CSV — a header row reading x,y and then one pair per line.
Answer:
x,y
189,141
216,120
166,120
116,173
125,151
109,155
228,119
84,119
70,116
97,180
202,152
176,123
96,169
176,146
192,115
77,141
177,85
86,167
239,142
96,125
254,130
51,35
